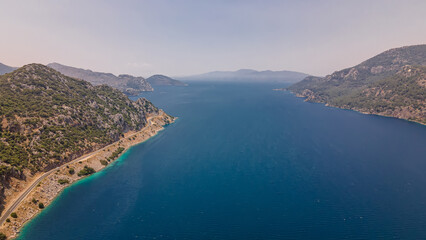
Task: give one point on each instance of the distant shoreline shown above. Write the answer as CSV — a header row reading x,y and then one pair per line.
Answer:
x,y
50,187
355,110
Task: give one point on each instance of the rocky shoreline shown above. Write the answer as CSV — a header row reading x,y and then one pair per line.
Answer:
x,y
310,98
51,186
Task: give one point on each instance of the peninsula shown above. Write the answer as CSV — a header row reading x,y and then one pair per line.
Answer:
x,y
55,130
392,84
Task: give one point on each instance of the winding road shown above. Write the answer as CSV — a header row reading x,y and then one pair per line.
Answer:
x,y
32,186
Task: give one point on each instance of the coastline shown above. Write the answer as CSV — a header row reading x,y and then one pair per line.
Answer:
x,y
52,183
351,109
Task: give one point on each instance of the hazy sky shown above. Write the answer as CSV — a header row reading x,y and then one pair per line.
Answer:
x,y
194,36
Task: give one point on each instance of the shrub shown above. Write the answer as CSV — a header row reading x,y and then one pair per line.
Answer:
x,y
41,205
86,171
63,181
71,171
34,201
14,215
115,154
103,162
7,220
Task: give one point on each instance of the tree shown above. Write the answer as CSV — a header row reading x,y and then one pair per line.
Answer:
x,y
14,215
63,181
41,205
86,171
2,236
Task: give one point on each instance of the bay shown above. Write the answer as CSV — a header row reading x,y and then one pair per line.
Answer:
x,y
245,162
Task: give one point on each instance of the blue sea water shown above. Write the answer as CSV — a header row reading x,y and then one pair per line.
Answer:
x,y
245,162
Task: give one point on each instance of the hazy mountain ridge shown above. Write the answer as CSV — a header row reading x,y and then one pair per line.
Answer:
x,y
161,80
249,75
126,83
48,119
5,69
390,84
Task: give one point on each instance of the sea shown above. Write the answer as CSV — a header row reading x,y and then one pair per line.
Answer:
x,y
245,162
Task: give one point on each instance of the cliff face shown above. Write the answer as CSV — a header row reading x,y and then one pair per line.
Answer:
x,y
126,83
389,84
48,118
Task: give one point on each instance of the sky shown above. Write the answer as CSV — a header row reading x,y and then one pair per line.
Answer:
x,y
186,37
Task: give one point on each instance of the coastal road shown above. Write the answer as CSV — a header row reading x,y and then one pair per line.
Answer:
x,y
30,188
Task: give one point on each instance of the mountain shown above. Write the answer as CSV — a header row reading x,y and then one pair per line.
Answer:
x,y
248,75
126,83
48,119
5,69
392,83
161,80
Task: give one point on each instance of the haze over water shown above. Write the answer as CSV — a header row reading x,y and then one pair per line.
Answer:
x,y
245,162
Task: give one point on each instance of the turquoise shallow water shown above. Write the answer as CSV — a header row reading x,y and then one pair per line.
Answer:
x,y
245,162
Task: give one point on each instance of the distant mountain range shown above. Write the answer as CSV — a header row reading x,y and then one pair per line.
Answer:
x,y
249,75
161,80
392,83
128,84
5,69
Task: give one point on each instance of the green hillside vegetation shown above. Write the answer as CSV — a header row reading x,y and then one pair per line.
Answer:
x,y
389,84
48,119
86,171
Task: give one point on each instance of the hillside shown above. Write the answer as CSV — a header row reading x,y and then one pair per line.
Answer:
x,y
128,84
389,84
5,69
48,119
248,75
161,80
